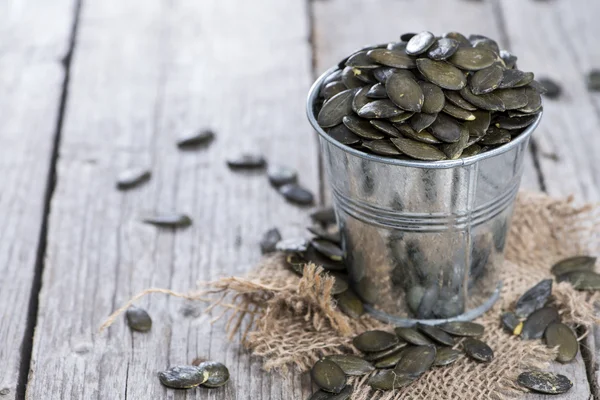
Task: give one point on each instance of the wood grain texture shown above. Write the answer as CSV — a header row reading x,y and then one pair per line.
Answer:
x,y
143,72
34,37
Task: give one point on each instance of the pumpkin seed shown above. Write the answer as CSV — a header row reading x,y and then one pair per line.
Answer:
x,y
561,335
511,323
398,46
382,74
392,58
513,78
312,255
389,380
479,126
552,88
364,74
446,356
336,108
183,377
495,136
442,49
486,43
545,382
378,355
351,365
471,151
268,243
218,374
297,245
459,37
534,101
442,74
446,129
418,150
534,299
473,58
296,194
486,80
330,235
513,99
572,264
324,215
462,328
582,280
360,99
280,175
343,135
412,336
510,60
456,99
390,361
379,109
416,360
327,375
332,88
350,304
361,60
132,177
458,113
323,395
362,127
478,350
377,91
296,263
376,340
488,101
436,334
535,325
593,80
401,118
421,121
195,139
434,99
382,147
419,43
515,122
405,37
340,282
385,127
404,92
138,319
168,220
328,249
246,161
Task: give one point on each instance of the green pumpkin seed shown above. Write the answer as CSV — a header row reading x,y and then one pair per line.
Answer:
x,y
510,60
545,382
382,147
360,99
593,80
515,122
442,74
360,59
479,126
418,150
534,298
535,325
572,264
513,78
324,215
486,43
416,360
362,127
456,99
436,334
442,49
332,88
328,249
561,335
296,263
455,150
351,365
471,151
513,99
446,356
511,323
380,109
404,92
421,121
334,76
385,127
420,43
458,113
473,58
268,243
459,37
478,350
323,395
280,175
398,46
218,374
183,377
446,129
298,245
320,232
350,79
378,355
389,380
327,263
534,101
133,177
389,361
548,87
412,336
582,280
486,80
462,328
382,74
376,340
488,101
377,91
246,161
336,108
517,113
392,58
195,139
138,319
434,98
343,135
401,118
495,136
364,74
340,282
168,220
295,193
327,375
350,304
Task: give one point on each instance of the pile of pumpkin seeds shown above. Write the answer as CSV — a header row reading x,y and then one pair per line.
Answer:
x,y
429,98
397,359
208,374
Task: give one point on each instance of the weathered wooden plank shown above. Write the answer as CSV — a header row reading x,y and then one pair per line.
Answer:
x,y
34,38
143,72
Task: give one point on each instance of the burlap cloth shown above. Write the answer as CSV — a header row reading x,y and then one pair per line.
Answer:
x,y
290,322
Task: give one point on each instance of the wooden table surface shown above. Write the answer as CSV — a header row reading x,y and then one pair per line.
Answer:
x,y
90,87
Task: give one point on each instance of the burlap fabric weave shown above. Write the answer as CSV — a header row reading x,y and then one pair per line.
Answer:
x,y
290,322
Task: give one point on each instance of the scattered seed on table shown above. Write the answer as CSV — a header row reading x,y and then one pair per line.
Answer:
x,y
324,215
196,139
446,356
561,335
545,382
133,177
323,395
535,325
217,373
351,365
553,89
534,299
296,194
268,243
593,80
573,264
376,340
280,175
462,328
138,319
327,375
478,350
246,161
412,336
168,220
183,377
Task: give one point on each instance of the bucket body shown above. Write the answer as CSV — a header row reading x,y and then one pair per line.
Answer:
x,y
424,241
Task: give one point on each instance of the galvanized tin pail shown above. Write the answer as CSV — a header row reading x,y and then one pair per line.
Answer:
x,y
424,241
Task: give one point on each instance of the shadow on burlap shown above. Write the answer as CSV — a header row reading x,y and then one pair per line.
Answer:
x,y
290,322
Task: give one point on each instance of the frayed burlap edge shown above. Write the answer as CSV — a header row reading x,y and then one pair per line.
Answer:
x,y
291,321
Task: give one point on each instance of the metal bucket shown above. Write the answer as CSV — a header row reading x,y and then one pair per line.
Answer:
x,y
424,241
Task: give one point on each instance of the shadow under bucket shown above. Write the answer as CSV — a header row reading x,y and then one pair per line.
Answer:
x,y
424,241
